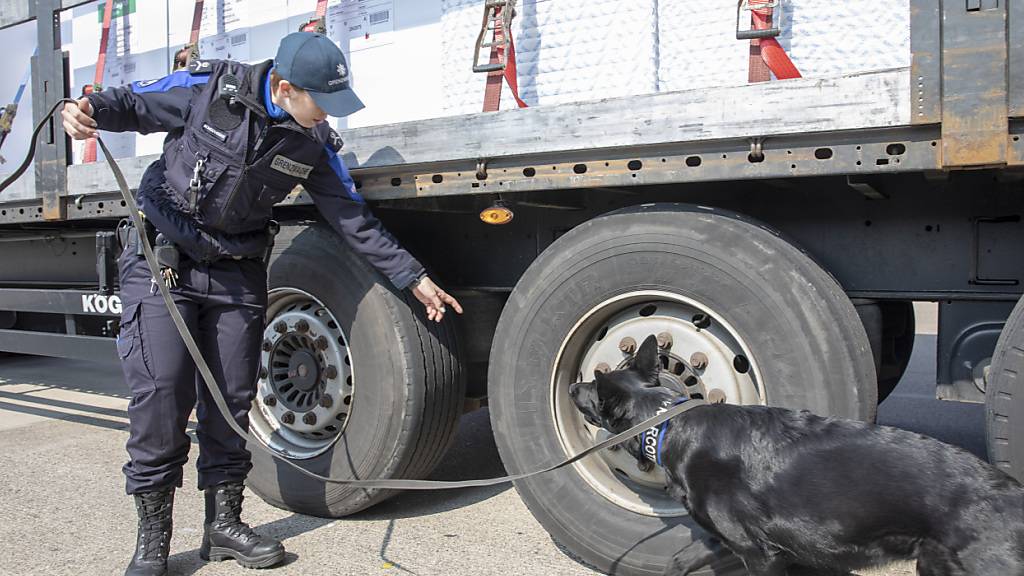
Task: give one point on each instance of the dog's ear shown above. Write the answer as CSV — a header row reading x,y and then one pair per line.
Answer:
x,y
646,362
606,387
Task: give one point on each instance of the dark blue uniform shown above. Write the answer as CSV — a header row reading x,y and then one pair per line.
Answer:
x,y
226,162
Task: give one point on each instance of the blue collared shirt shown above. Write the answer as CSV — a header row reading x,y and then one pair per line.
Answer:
x,y
275,111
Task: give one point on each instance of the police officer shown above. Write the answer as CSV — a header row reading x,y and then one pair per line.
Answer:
x,y
240,137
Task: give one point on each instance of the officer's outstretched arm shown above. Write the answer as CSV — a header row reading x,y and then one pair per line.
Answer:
x,y
335,196
152,106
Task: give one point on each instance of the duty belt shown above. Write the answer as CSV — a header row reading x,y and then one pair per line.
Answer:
x,y
167,254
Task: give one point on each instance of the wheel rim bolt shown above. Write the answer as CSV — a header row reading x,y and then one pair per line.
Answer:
x,y
288,418
326,401
280,327
627,345
321,343
267,345
603,368
302,326
699,360
716,396
270,400
331,372
664,340
263,372
309,418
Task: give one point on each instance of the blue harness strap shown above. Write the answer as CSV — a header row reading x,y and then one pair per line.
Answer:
x,y
652,438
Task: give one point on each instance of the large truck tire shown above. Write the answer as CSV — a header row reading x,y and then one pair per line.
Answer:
x,y
890,328
745,316
1004,397
898,335
354,381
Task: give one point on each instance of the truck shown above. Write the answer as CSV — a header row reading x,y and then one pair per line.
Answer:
x,y
772,235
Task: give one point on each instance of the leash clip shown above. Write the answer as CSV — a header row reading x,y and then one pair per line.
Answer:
x,y
197,181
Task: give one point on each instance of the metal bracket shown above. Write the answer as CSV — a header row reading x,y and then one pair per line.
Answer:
x,y
50,73
756,149
976,251
481,169
979,5
865,187
974,86
498,15
106,264
747,6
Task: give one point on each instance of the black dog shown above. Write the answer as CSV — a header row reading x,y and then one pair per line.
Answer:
x,y
782,488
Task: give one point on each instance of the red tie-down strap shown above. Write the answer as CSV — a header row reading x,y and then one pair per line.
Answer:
x,y
89,155
319,22
766,54
197,23
492,94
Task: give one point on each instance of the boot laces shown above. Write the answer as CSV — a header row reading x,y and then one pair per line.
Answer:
x,y
230,516
155,512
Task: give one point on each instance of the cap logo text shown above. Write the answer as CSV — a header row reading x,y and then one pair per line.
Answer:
x,y
342,76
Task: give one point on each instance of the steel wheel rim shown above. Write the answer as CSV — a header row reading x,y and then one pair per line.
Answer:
x,y
595,339
305,389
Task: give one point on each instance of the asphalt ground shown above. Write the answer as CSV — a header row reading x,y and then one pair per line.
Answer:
x,y
63,509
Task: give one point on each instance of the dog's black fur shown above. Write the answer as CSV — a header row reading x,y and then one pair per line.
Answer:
x,y
782,488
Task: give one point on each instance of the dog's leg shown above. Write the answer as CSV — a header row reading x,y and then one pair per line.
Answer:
x,y
644,465
697,555
994,553
760,565
934,559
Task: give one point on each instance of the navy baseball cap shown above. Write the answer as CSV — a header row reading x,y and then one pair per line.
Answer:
x,y
315,64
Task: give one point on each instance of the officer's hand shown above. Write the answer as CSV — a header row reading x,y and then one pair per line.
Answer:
x,y
78,122
435,299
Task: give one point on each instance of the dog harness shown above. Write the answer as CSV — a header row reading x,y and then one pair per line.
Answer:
x,y
652,438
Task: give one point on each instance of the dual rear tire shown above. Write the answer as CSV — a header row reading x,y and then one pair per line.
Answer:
x,y
744,316
769,325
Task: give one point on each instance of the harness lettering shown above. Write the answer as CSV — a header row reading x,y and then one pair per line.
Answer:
x,y
649,439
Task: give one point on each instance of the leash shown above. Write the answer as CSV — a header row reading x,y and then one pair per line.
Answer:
x,y
218,397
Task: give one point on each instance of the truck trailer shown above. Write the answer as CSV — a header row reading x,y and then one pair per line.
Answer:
x,y
774,235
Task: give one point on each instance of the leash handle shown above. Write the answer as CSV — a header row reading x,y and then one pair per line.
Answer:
x,y
32,145
218,397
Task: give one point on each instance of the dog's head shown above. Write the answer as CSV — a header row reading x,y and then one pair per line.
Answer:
x,y
620,399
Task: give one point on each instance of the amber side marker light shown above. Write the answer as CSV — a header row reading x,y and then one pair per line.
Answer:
x,y
497,214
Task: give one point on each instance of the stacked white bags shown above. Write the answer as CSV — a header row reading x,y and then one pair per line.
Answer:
x,y
698,46
416,62
566,51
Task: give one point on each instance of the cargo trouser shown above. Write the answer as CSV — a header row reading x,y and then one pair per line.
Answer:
x,y
224,304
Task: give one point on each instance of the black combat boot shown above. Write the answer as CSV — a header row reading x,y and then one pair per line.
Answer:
x,y
226,536
154,533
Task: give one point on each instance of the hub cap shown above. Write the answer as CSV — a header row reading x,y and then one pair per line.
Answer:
x,y
305,388
701,357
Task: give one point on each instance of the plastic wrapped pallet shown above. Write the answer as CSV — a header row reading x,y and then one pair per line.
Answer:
x,y
566,51
412,59
698,46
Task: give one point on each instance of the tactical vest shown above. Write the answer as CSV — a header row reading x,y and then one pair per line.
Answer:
x,y
231,164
